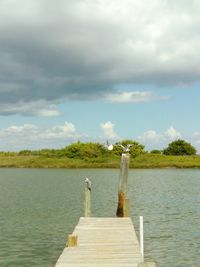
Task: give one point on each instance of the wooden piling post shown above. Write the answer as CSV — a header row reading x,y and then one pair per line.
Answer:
x,y
127,207
122,193
87,203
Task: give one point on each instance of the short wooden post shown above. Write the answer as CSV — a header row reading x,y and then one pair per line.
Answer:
x,y
123,185
87,203
72,240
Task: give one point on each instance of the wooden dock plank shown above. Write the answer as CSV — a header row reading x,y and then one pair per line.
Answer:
x,y
103,242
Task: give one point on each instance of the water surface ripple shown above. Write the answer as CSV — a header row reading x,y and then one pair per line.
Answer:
x,y
39,208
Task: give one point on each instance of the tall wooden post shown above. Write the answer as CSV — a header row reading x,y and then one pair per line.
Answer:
x,y
123,202
87,203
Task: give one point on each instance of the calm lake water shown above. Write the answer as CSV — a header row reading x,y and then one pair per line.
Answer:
x,y
39,208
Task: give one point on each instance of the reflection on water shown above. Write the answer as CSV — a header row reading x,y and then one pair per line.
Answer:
x,y
38,208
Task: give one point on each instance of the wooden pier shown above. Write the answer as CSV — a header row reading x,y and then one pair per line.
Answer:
x,y
105,242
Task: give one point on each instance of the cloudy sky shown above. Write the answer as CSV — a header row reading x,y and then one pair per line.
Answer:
x,y
93,70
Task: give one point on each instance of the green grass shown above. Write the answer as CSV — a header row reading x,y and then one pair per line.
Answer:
x,y
142,161
162,161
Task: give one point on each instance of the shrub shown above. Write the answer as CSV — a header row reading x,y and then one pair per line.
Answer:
x,y
156,151
179,147
135,150
84,150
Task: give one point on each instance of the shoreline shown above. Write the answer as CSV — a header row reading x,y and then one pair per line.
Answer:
x,y
146,161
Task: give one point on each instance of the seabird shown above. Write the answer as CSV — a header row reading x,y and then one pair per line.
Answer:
x,y
109,146
127,148
88,184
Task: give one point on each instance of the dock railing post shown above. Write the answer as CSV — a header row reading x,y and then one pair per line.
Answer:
x,y
145,263
123,202
142,235
87,202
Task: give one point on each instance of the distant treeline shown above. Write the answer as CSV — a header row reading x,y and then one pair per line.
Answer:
x,y
90,150
80,150
178,154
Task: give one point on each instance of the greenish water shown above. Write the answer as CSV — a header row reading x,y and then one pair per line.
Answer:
x,y
39,208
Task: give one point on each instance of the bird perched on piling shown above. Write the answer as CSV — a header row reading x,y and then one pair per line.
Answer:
x,y
88,184
108,145
127,148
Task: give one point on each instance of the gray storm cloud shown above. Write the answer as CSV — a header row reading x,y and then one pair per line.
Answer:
x,y
56,50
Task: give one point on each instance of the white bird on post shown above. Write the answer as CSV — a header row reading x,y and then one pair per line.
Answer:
x,y
108,146
87,202
88,184
127,148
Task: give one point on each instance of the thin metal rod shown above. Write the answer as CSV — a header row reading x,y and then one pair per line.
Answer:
x,y
141,236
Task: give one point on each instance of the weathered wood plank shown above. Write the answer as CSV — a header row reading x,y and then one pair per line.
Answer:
x,y
103,242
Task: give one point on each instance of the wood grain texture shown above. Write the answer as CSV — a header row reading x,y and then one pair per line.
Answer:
x,y
103,242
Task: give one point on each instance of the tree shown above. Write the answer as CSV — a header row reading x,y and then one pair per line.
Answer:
x,y
25,153
135,150
84,150
179,147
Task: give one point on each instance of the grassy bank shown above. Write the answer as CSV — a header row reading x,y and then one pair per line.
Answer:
x,y
142,161
162,161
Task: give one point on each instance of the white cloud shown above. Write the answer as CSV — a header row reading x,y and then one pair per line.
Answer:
x,y
108,130
67,130
132,97
172,133
30,136
196,134
196,137
57,50
151,136
153,140
51,112
35,108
